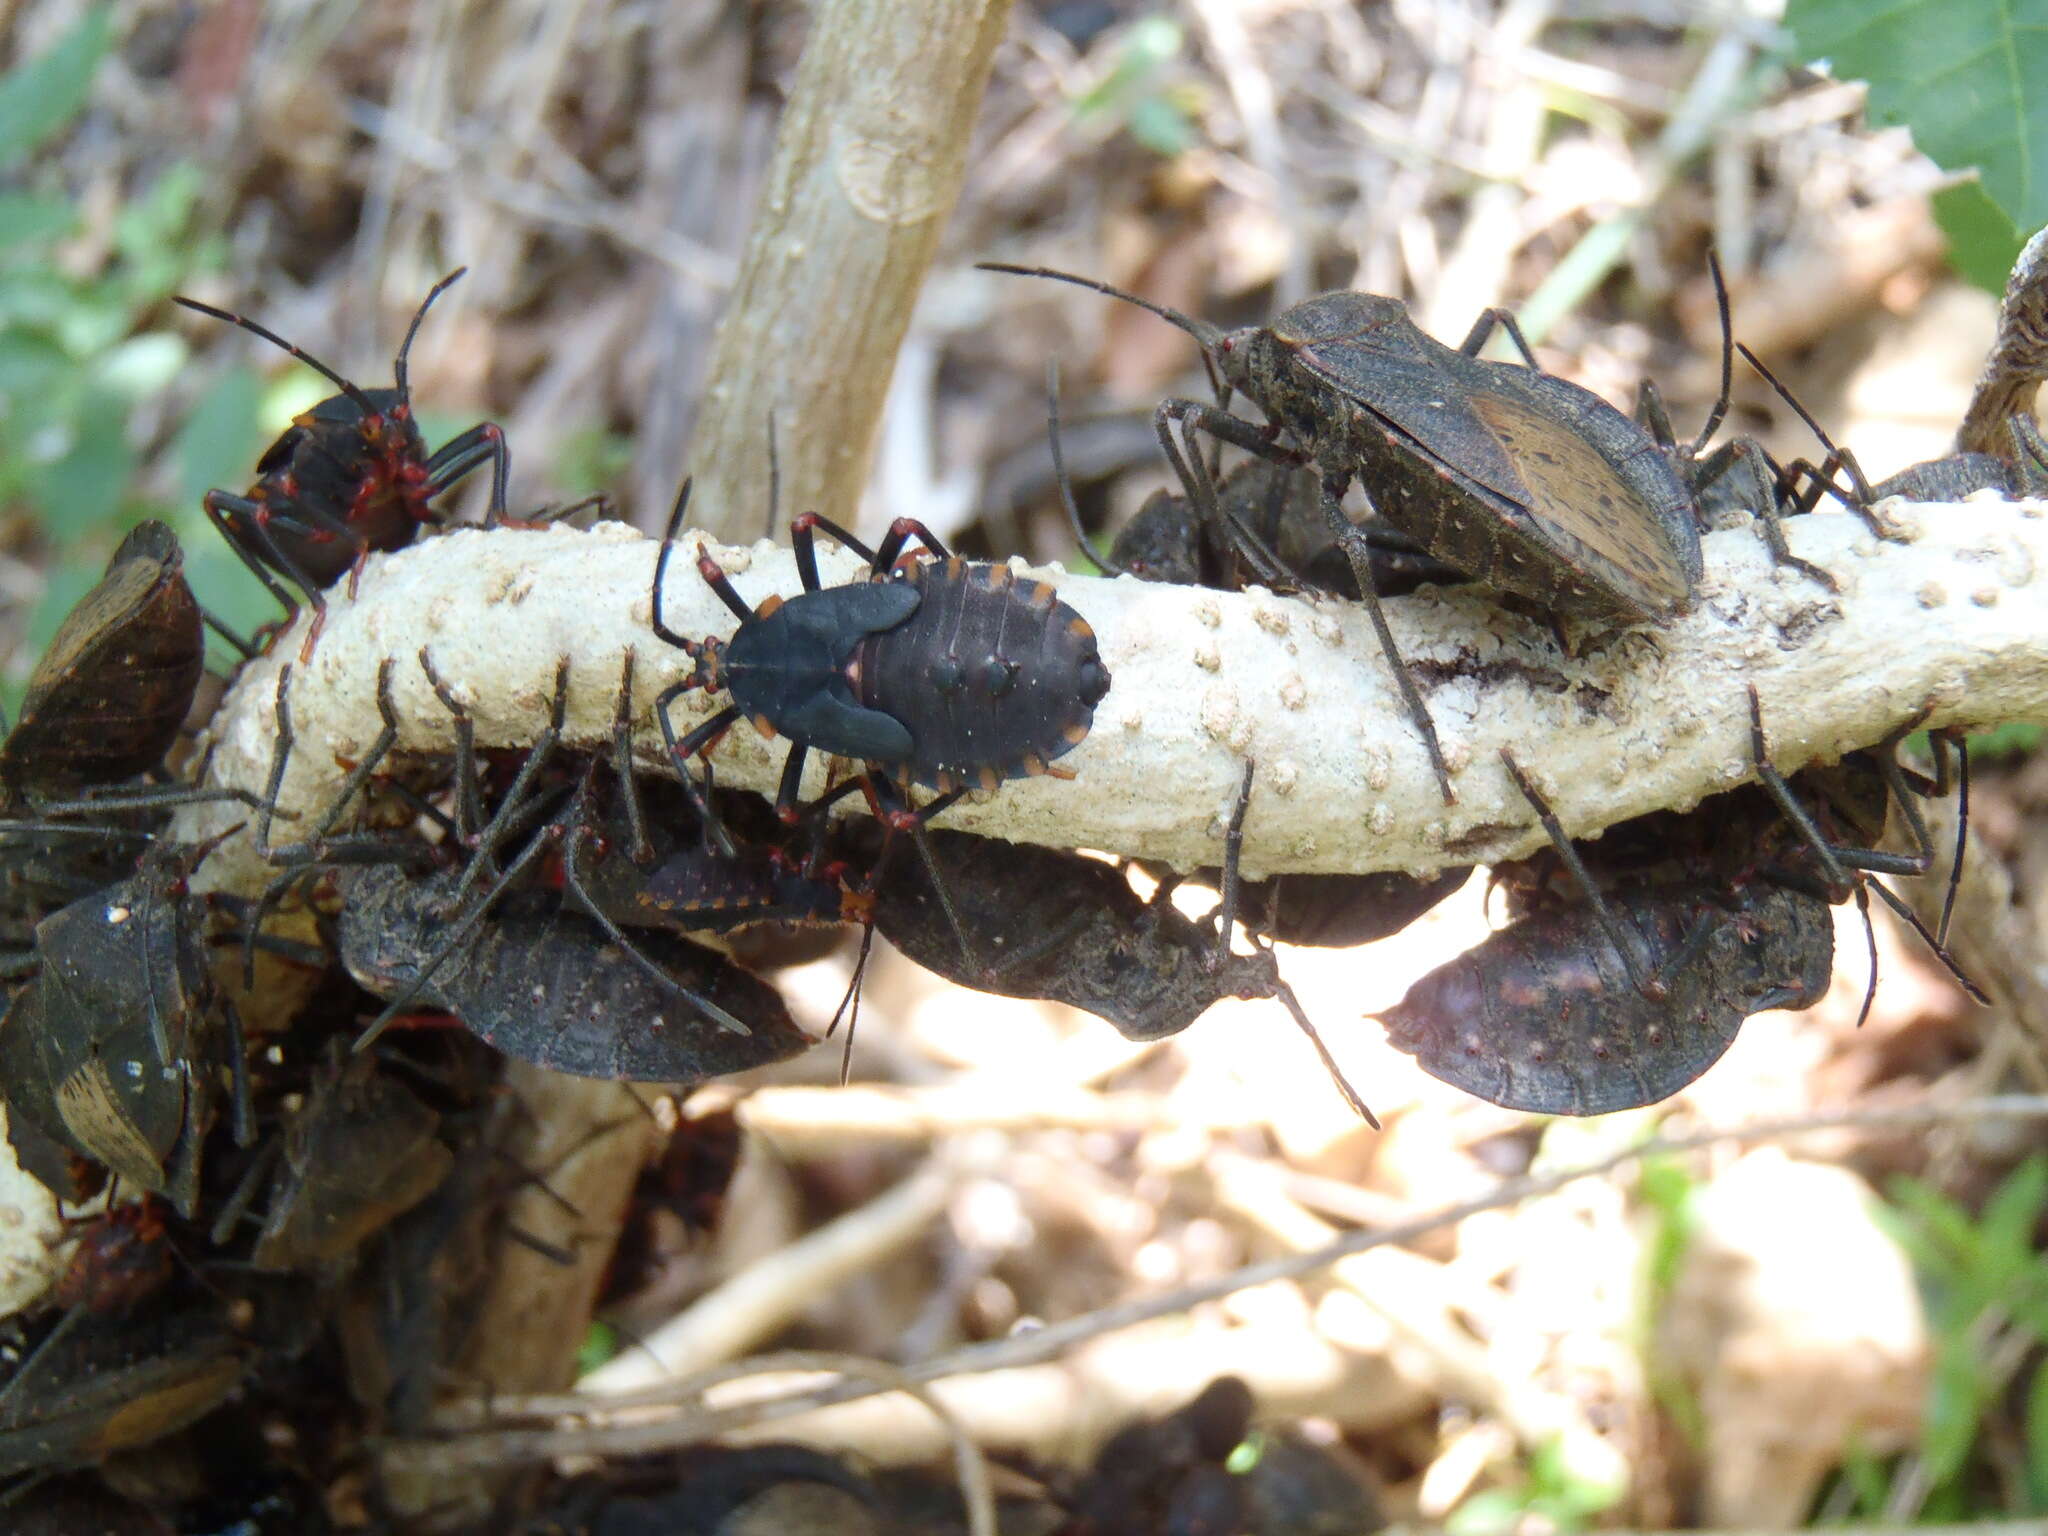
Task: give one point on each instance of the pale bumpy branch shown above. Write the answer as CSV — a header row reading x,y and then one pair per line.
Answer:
x,y
1950,619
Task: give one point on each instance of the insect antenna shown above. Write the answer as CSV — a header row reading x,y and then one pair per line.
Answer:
x,y
351,391
1208,335
405,346
1836,456
1720,411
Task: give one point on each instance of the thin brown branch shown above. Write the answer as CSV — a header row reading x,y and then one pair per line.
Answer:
x,y
872,150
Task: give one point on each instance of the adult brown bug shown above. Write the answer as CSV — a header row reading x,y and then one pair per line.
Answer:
x,y
1543,1017
536,981
1526,482
1059,925
943,674
107,698
523,972
360,1151
349,476
1635,958
113,1049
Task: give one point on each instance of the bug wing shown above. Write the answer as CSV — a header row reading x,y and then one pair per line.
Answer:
x,y
1420,402
1581,506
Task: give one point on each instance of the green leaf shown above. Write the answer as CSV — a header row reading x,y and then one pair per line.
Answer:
x,y
26,219
40,95
1954,1400
1969,77
1935,1231
2036,1467
82,490
1867,1477
1982,242
2005,1226
1495,1512
600,1343
221,438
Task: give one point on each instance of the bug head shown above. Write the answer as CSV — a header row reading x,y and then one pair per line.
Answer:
x,y
708,658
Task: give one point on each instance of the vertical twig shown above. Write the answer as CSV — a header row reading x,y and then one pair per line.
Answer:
x,y
868,163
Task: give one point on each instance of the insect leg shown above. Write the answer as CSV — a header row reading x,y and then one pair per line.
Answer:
x,y
642,849
901,532
572,828
1482,331
803,537
1649,986
1355,546
1285,994
513,806
1233,849
468,807
698,742
1193,472
792,784
240,522
459,456
1103,560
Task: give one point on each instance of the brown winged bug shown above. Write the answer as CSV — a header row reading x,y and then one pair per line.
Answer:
x,y
520,970
1542,1017
360,1151
943,674
1634,959
349,476
545,985
118,1384
114,1048
109,695
1068,928
1524,481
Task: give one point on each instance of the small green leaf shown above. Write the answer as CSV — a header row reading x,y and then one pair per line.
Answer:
x,y
2005,1226
2036,1427
81,491
1969,77
1867,1477
1495,1512
1158,124
40,95
1982,243
219,443
600,1343
1935,1232
1954,1400
26,219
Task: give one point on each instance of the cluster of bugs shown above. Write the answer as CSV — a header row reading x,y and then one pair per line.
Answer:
x,y
584,907
1628,964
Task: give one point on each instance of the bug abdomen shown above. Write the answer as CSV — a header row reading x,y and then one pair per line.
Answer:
x,y
994,677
